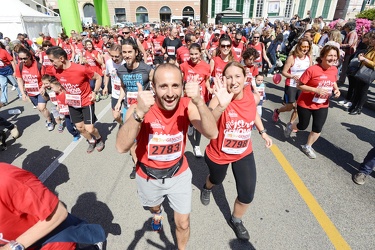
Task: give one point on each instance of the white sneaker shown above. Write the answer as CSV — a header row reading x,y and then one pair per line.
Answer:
x,y
50,126
197,152
14,132
190,130
348,104
342,102
309,151
13,88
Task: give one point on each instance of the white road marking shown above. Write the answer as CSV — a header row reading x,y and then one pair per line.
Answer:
x,y
56,163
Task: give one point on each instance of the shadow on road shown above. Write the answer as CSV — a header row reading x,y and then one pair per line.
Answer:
x,y
90,209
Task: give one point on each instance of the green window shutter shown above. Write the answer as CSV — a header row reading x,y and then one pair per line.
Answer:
x,y
326,7
225,4
251,12
314,7
213,9
301,8
239,5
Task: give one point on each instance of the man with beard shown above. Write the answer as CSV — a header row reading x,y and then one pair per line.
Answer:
x,y
159,122
128,35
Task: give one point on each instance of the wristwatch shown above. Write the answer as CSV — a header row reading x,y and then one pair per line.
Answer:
x,y
263,131
14,245
136,117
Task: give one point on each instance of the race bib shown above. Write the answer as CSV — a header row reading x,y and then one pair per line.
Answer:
x,y
131,98
73,100
323,98
52,97
235,143
165,147
171,50
64,109
32,87
238,51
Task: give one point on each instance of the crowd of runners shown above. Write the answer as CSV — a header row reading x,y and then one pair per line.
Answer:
x,y
172,81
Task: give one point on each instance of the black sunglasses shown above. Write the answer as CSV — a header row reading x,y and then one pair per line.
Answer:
x,y
125,33
225,45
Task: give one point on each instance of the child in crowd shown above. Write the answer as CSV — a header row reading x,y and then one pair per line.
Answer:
x,y
259,87
60,111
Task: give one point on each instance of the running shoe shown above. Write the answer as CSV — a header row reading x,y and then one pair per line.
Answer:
x,y
205,195
99,145
156,223
132,174
197,152
99,245
309,151
13,88
190,130
239,229
288,130
60,128
91,147
76,138
348,105
14,132
360,178
342,102
275,115
50,126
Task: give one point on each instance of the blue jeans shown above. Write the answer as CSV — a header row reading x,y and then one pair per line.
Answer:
x,y
13,81
273,61
4,88
368,163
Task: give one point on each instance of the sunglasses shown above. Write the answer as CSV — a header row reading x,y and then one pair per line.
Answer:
x,y
125,33
23,58
304,47
256,37
197,33
225,45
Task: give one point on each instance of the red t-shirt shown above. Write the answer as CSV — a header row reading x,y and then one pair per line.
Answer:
x,y
92,63
162,139
61,103
235,126
78,48
147,44
183,54
211,46
251,72
238,49
317,77
75,81
158,44
32,78
218,67
68,49
259,47
45,59
5,58
98,45
203,70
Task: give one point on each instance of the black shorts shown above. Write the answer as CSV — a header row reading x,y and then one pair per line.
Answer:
x,y
114,103
85,114
158,60
291,94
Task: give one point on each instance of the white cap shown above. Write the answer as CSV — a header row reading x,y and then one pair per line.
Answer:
x,y
217,32
182,34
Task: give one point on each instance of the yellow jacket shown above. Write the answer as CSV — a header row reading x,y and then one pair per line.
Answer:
x,y
370,55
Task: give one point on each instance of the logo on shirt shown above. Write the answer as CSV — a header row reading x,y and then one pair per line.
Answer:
x,y
232,113
157,125
323,77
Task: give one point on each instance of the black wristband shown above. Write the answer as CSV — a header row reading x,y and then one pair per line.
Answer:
x,y
263,131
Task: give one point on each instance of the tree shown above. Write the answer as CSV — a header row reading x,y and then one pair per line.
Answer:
x,y
367,14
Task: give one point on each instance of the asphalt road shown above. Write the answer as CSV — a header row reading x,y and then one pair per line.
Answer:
x,y
299,203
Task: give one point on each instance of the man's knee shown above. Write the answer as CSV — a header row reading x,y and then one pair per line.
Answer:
x,y
182,221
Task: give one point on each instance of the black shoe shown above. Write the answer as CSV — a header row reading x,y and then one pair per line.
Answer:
x,y
239,229
132,174
205,196
351,108
356,111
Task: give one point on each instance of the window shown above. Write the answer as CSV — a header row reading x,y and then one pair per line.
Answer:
x,y
225,4
141,15
188,11
368,2
165,14
239,5
39,8
120,15
213,8
288,8
326,7
259,11
301,8
251,12
314,7
89,11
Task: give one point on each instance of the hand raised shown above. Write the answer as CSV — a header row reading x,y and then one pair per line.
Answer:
x,y
221,92
145,99
192,90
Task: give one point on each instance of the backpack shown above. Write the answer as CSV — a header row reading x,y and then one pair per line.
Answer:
x,y
38,64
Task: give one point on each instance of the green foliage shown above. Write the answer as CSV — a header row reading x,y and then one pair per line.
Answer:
x,y
368,14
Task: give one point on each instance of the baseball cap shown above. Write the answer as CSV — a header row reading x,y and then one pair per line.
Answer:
x,y
84,33
146,35
217,32
182,34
